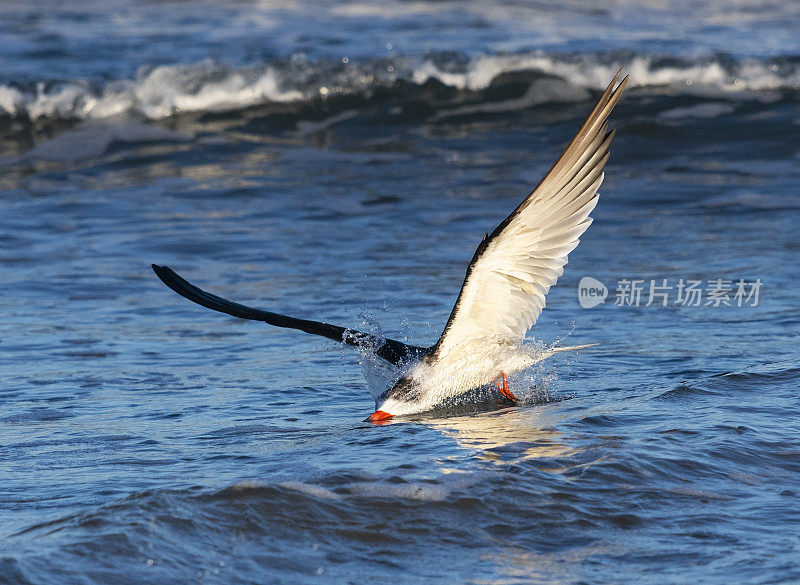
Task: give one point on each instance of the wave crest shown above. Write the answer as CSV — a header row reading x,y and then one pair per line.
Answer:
x,y
168,90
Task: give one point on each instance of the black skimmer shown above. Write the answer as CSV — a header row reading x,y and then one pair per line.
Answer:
x,y
503,292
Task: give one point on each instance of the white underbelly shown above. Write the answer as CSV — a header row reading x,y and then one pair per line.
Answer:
x,y
468,368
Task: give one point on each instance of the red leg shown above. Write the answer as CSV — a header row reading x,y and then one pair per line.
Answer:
x,y
503,390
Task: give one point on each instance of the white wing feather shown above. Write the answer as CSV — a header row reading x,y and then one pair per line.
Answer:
x,y
513,269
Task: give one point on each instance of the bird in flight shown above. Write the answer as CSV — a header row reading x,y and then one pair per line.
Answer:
x,y
503,292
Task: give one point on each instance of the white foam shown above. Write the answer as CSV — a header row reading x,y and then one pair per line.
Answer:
x,y
590,72
11,100
167,90
163,92
159,93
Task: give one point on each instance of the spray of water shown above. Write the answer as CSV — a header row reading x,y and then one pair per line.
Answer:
x,y
534,385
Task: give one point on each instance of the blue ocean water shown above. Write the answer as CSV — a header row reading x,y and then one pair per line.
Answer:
x,y
341,161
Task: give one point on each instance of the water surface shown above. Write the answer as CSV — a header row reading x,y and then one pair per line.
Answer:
x,y
145,439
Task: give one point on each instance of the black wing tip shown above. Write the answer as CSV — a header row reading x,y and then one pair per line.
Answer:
x,y
160,271
183,287
167,275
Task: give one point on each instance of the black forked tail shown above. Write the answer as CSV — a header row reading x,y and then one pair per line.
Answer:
x,y
392,351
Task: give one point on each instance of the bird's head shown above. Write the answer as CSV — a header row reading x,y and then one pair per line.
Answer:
x,y
397,400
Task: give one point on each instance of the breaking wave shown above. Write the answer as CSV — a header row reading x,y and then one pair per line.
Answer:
x,y
164,91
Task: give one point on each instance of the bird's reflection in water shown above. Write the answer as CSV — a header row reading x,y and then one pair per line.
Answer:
x,y
556,565
533,465
507,435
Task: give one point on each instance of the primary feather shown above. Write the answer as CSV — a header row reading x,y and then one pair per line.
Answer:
x,y
513,269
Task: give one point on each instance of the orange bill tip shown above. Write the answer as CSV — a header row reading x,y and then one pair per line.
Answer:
x,y
378,415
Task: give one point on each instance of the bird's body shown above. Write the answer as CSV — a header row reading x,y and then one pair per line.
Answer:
x,y
503,292
431,383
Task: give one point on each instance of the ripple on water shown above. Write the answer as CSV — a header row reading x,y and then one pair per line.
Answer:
x,y
37,414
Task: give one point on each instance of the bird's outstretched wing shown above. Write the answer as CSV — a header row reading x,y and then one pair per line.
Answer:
x,y
395,352
514,267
